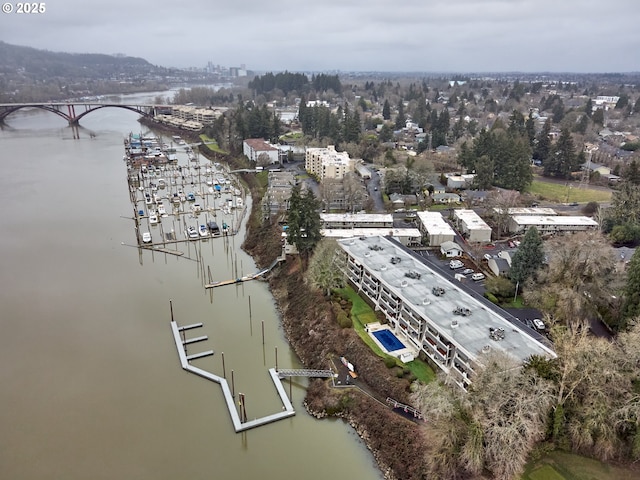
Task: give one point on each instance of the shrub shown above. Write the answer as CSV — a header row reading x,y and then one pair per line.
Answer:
x,y
344,321
491,297
389,362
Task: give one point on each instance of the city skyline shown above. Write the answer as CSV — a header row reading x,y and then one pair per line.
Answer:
x,y
434,36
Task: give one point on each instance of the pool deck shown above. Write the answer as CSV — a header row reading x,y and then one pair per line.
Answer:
x,y
404,354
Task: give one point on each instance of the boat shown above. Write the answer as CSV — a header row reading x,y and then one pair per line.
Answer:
x,y
162,183
161,210
213,228
203,231
146,237
192,233
196,208
153,219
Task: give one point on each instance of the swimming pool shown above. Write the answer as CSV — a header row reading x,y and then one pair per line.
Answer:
x,y
388,340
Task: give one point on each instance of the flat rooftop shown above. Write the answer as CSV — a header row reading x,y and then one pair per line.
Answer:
x,y
371,232
560,220
471,335
357,217
435,223
527,211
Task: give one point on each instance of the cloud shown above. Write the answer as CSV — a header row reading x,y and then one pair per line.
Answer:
x,y
413,35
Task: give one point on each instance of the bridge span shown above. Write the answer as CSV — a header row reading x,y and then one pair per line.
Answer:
x,y
72,112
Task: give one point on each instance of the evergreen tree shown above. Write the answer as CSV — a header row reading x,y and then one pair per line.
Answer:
x,y
401,119
598,117
588,109
563,159
530,128
543,143
484,173
303,221
386,110
529,257
631,306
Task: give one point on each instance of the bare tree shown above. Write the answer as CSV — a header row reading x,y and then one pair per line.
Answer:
x,y
494,426
326,267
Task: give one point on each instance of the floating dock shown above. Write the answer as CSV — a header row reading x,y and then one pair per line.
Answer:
x,y
238,425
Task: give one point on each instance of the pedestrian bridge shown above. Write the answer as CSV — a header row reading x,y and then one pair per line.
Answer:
x,y
282,373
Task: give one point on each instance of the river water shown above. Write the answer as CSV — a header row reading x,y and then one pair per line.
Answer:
x,y
90,382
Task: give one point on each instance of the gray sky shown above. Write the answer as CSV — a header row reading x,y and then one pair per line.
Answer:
x,y
347,35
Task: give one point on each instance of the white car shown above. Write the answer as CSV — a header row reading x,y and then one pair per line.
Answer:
x,y
453,264
487,257
146,237
539,324
477,276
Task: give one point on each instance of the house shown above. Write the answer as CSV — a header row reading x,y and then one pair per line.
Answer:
x,y
500,267
259,151
446,198
450,249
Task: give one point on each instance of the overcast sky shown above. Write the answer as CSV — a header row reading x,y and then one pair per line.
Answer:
x,y
346,35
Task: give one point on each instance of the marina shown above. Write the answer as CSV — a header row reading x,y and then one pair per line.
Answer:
x,y
177,199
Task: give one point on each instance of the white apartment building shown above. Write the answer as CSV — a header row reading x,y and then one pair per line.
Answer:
x,y
420,305
551,224
328,163
472,227
435,229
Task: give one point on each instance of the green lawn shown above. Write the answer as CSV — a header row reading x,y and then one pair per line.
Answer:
x,y
561,193
559,465
361,314
212,146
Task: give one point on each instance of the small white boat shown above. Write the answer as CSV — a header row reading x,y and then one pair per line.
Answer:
x,y
146,237
161,210
153,219
162,183
204,231
192,233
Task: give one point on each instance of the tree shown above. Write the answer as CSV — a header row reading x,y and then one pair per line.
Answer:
x,y
529,257
578,282
386,110
563,159
598,117
326,267
485,169
494,426
631,292
303,221
401,118
543,143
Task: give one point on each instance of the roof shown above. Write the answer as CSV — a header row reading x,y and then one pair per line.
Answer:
x,y
471,219
528,211
371,232
435,224
450,246
472,333
559,220
357,217
259,144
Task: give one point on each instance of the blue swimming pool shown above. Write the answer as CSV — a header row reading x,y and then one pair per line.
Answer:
x,y
388,340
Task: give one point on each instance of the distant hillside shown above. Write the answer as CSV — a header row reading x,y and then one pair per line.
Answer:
x,y
41,64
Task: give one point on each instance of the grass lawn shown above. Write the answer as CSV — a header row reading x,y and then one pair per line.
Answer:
x,y
212,146
361,314
437,207
558,192
559,465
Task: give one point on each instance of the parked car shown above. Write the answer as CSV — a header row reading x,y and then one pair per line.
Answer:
x,y
539,325
487,257
477,277
467,271
453,264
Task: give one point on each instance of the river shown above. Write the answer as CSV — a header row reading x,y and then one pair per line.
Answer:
x,y
91,385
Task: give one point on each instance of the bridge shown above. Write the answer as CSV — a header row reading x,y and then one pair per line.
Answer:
x,y
282,373
72,112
